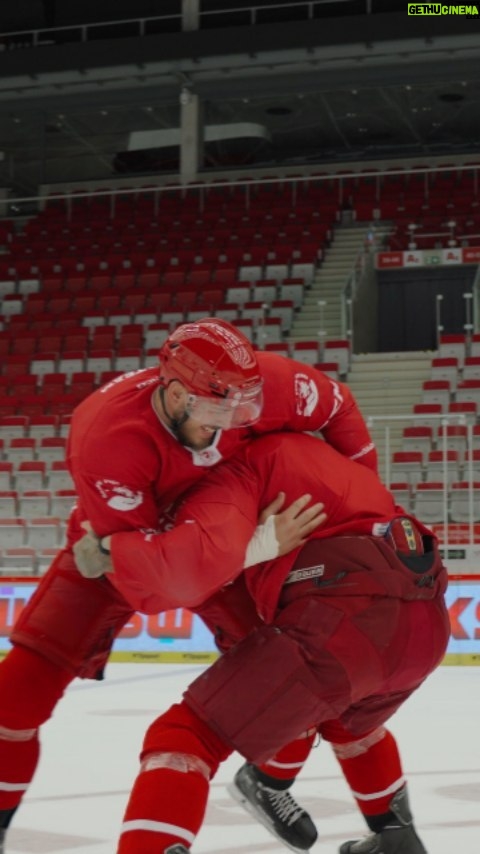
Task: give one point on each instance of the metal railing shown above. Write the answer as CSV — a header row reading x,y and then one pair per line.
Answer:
x,y
74,191
445,519
249,15
476,300
352,285
471,299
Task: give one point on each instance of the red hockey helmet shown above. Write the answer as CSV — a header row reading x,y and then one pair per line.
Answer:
x,y
217,364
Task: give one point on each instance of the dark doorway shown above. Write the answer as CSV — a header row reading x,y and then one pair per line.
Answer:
x,y
407,306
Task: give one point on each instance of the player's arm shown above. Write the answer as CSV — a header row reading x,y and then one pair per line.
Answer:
x,y
184,566
158,570
153,569
345,428
212,541
301,398
116,488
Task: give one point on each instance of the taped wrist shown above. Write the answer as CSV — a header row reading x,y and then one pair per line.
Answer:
x,y
263,545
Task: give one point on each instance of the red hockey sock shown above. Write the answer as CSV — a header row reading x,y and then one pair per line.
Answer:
x,y
165,807
169,797
30,686
17,766
372,768
289,761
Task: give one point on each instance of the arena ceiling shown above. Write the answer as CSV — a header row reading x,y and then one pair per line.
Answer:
x,y
344,86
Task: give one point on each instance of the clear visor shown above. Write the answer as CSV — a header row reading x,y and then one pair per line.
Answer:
x,y
239,409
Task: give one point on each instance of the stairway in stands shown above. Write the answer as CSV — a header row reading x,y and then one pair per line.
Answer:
x,y
388,384
328,286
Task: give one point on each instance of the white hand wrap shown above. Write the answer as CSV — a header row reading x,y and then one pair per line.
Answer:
x,y
263,545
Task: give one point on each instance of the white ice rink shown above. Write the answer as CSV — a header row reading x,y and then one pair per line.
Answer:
x,y
90,748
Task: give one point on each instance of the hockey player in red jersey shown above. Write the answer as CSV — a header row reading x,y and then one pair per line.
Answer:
x,y
135,445
353,622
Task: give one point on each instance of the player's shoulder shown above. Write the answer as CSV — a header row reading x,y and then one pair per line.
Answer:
x,y
269,357
121,405
274,365
130,383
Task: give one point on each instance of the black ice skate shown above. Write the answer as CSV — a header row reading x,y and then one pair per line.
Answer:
x,y
398,837
275,809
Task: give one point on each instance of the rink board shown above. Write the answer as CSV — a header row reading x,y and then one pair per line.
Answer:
x,y
179,636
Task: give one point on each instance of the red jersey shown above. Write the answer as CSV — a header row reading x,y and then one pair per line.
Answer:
x,y
128,468
217,518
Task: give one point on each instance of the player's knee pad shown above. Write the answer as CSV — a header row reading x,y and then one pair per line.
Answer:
x,y
72,620
180,731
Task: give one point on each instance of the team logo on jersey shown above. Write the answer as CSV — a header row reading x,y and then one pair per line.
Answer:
x,y
208,457
118,496
306,394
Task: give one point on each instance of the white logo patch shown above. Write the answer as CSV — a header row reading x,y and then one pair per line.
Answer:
x,y
379,529
208,457
306,394
305,573
118,496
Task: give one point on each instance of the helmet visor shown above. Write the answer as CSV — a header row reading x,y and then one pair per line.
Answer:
x,y
239,409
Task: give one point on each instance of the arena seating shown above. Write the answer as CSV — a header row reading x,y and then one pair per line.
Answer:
x,y
86,296
438,469
439,210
